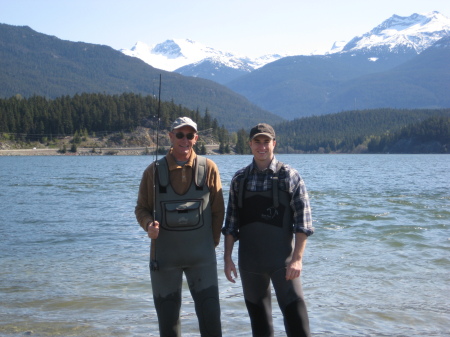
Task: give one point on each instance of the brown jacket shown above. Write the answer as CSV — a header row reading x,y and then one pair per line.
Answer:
x,y
180,179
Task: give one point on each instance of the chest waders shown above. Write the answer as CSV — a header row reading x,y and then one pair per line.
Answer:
x,y
265,248
185,245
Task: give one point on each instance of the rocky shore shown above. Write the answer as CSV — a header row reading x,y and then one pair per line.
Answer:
x,y
118,151
80,152
139,142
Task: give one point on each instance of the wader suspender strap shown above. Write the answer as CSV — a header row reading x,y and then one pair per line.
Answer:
x,y
276,201
243,182
163,175
200,172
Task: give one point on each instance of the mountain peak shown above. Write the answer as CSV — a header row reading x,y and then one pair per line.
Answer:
x,y
169,48
173,54
414,33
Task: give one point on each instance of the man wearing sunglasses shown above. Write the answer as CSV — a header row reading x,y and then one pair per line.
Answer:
x,y
180,205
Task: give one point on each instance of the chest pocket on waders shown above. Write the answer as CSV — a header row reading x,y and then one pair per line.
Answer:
x,y
183,215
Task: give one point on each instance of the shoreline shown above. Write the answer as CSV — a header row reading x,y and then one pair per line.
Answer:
x,y
80,152
110,151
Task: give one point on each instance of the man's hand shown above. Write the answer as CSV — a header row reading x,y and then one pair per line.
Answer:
x,y
230,268
294,269
153,230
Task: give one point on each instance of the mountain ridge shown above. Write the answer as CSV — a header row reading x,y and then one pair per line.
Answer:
x,y
357,78
290,87
33,63
176,53
411,34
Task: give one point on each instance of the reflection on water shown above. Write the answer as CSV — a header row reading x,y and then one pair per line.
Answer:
x,y
74,262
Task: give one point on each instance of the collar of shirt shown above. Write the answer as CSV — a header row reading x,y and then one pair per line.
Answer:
x,y
272,166
173,164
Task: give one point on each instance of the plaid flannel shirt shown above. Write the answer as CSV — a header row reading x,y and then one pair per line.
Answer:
x,y
289,180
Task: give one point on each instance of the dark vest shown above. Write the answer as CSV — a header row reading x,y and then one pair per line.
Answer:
x,y
265,227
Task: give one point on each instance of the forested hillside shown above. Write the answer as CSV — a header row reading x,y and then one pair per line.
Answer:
x,y
32,63
379,131
353,131
41,119
430,136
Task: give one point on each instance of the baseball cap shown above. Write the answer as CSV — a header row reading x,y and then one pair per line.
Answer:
x,y
184,121
262,129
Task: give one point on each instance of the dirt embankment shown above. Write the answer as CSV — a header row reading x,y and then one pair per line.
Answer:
x,y
119,151
142,141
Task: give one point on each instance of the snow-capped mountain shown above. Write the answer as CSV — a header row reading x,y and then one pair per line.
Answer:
x,y
176,53
399,34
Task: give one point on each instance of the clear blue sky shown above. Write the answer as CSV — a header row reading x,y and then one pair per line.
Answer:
x,y
247,27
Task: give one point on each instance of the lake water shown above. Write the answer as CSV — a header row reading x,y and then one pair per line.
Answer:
x,y
74,261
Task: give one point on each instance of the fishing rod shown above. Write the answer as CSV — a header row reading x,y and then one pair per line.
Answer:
x,y
153,261
159,118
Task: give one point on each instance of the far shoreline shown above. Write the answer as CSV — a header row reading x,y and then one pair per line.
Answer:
x,y
110,151
211,150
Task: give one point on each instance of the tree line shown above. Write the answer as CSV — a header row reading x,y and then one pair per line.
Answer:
x,y
352,131
430,135
37,118
365,131
369,131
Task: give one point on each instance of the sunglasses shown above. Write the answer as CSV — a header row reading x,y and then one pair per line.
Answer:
x,y
181,135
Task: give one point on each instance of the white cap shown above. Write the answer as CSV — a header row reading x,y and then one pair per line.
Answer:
x,y
184,121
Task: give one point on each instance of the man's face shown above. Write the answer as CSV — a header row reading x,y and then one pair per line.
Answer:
x,y
182,147
262,148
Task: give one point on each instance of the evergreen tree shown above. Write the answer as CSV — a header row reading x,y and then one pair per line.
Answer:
x,y
242,142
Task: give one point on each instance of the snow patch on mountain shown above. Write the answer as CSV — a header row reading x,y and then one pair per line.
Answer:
x,y
337,47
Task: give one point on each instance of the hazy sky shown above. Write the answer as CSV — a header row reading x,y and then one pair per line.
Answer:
x,y
246,27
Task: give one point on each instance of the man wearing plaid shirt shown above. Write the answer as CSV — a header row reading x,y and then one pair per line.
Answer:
x,y
269,213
